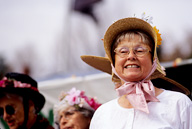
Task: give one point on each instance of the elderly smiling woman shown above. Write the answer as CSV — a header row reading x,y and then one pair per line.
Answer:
x,y
21,102
75,110
130,45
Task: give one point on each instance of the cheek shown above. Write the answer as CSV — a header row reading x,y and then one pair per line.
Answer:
x,y
20,116
119,61
119,64
147,65
81,121
19,113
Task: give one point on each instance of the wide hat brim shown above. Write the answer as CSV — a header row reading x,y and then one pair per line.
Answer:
x,y
128,24
35,96
104,64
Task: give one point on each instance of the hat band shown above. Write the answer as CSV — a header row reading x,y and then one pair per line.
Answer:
x,y
5,83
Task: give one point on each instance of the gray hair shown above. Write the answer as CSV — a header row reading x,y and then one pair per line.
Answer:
x,y
130,35
62,106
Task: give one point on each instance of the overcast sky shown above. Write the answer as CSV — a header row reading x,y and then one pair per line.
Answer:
x,y
38,23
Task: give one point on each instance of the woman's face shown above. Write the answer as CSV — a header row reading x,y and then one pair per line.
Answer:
x,y
71,119
11,108
133,67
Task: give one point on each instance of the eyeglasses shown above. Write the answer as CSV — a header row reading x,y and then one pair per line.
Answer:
x,y
139,51
9,110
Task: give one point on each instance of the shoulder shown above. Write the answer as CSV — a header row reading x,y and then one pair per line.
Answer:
x,y
107,116
42,122
107,106
173,96
105,109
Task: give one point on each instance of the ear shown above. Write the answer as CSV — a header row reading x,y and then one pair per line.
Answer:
x,y
31,103
32,107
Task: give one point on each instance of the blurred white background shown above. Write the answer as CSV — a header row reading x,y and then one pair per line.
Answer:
x,y
47,37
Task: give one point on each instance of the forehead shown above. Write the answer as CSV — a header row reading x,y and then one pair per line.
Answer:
x,y
133,35
136,41
136,36
11,99
75,114
67,109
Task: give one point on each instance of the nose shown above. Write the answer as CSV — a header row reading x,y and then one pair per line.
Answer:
x,y
5,115
63,121
131,55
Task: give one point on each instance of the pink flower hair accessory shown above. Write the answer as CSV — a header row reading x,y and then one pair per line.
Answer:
x,y
16,84
78,99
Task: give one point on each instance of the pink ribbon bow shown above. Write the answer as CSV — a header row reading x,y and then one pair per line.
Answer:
x,y
138,93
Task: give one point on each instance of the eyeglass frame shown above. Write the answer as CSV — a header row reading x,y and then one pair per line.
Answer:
x,y
123,55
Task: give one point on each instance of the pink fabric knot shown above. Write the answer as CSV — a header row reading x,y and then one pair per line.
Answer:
x,y
138,93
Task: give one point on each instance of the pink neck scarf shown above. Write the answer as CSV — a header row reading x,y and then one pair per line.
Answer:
x,y
138,93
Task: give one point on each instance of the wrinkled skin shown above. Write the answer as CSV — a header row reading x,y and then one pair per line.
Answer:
x,y
71,119
141,65
17,119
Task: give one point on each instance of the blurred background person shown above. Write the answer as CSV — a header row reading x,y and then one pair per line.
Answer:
x,y
75,110
21,102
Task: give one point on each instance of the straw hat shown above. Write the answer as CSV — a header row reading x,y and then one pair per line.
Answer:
x,y
104,64
127,24
118,27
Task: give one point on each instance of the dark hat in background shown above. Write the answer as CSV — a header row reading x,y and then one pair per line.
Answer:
x,y
23,85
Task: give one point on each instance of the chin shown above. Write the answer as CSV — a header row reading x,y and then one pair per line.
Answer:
x,y
131,79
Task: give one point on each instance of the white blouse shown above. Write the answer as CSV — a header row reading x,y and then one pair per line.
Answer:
x,y
174,111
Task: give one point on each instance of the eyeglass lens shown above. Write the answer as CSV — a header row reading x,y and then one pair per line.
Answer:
x,y
9,110
124,51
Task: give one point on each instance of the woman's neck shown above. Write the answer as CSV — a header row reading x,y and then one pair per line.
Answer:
x,y
124,102
158,91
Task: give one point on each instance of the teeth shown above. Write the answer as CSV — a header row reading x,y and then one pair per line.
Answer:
x,y
132,66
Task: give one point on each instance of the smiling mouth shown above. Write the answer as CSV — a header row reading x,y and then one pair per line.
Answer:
x,y
10,123
69,128
132,66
